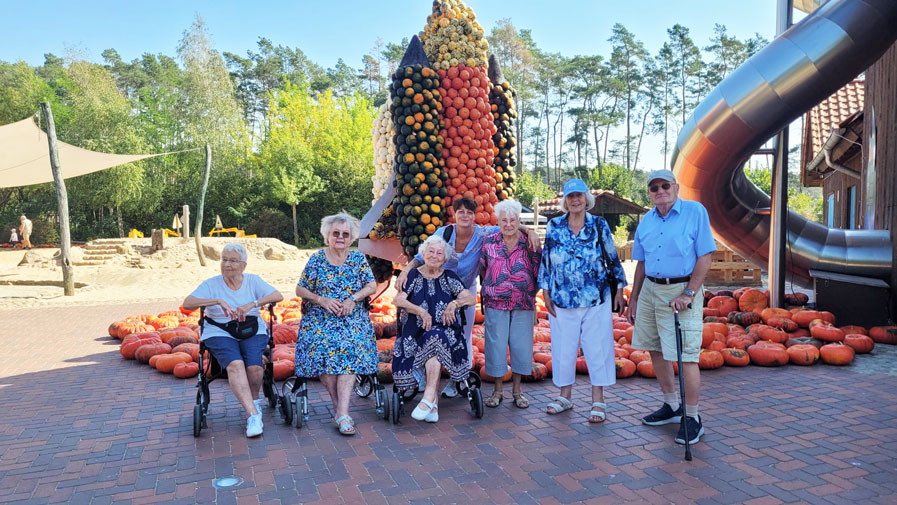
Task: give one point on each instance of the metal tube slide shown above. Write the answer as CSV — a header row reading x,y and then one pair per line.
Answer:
x,y
799,69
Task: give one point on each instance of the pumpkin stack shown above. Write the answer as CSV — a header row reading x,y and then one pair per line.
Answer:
x,y
382,132
420,179
501,101
455,43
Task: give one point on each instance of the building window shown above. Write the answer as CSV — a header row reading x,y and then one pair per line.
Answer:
x,y
852,206
830,211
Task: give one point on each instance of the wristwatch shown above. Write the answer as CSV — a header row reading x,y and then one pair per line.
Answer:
x,y
689,292
255,303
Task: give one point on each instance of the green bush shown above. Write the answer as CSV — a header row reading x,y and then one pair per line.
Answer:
x,y
272,223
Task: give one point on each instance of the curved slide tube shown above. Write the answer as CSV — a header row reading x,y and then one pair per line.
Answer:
x,y
799,69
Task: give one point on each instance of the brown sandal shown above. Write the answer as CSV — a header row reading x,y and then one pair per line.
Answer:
x,y
520,401
494,400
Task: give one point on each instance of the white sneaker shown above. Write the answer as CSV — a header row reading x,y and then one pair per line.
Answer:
x,y
258,404
254,426
450,391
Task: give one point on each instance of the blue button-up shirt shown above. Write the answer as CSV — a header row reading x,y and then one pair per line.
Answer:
x,y
572,269
670,245
466,264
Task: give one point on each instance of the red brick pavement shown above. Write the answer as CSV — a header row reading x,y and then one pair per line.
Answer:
x,y
81,425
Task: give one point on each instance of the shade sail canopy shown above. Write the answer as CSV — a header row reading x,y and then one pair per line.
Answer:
x,y
25,157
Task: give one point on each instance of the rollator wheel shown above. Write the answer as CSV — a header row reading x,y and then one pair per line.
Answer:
x,y
396,407
268,389
476,402
286,408
364,386
299,407
197,419
383,401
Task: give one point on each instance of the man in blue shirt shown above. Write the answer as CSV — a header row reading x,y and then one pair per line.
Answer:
x,y
673,246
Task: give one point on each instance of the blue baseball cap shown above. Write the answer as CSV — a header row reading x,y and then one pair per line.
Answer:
x,y
575,186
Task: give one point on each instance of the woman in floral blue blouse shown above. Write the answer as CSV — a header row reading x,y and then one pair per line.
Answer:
x,y
336,338
573,278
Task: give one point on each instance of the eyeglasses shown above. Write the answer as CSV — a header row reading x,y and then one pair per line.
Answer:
x,y
655,189
344,234
228,260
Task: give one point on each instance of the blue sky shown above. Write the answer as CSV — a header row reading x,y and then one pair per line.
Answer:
x,y
347,29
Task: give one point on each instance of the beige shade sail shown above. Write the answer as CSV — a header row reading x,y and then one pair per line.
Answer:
x,y
25,157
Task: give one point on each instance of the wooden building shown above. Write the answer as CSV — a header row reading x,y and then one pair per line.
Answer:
x,y
608,205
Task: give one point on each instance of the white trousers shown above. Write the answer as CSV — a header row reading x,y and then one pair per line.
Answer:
x,y
592,329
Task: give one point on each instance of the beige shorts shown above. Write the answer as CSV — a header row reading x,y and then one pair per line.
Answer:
x,y
654,327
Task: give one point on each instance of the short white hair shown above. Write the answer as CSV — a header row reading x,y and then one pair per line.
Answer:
x,y
437,240
340,218
590,202
237,248
511,207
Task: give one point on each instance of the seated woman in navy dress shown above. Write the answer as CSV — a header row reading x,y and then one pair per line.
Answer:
x,y
430,331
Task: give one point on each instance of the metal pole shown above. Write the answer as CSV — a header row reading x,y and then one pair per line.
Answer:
x,y
779,197
202,201
65,239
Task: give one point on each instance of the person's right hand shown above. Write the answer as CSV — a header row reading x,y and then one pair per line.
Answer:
x,y
331,305
231,313
400,281
425,319
630,310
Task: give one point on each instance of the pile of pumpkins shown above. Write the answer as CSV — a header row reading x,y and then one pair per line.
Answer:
x,y
749,333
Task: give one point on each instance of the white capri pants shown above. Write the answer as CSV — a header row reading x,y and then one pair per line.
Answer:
x,y
591,328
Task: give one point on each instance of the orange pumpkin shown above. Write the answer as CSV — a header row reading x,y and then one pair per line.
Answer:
x,y
803,354
709,330
384,373
825,331
782,323
836,354
708,312
744,318
581,366
539,373
774,334
804,317
770,312
283,369
884,334
710,360
852,328
128,327
285,334
646,369
167,334
185,370
619,352
861,344
716,345
541,357
625,368
181,339
145,352
768,354
133,342
191,349
165,363
504,378
723,304
735,357
637,356
753,300
541,334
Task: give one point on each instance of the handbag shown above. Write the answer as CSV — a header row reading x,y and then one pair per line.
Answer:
x,y
611,279
240,330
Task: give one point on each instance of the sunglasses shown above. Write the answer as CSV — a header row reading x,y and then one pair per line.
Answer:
x,y
344,234
655,188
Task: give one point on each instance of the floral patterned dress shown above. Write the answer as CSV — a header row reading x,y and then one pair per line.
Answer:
x,y
414,346
329,344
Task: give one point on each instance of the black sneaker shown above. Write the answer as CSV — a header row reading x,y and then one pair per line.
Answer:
x,y
695,430
663,415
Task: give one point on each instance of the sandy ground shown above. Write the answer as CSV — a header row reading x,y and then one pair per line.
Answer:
x,y
170,274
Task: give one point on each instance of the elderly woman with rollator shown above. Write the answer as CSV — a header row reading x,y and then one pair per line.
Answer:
x,y
430,333
336,338
236,296
579,265
466,239
509,271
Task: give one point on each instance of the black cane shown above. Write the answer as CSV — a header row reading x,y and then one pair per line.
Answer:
x,y
681,382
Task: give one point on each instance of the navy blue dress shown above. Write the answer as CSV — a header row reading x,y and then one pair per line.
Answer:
x,y
414,346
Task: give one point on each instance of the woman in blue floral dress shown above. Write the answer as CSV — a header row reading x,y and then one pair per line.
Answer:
x,y
574,281
336,337
430,331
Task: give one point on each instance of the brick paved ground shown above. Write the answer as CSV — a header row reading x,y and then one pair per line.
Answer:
x,y
81,425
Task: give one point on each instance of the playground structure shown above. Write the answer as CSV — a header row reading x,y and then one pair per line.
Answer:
x,y
802,67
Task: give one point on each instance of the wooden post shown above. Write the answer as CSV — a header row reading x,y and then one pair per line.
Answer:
x,y
65,239
202,201
186,220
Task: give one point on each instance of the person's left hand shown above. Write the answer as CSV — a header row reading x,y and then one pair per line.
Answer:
x,y
533,241
448,315
347,307
681,302
619,302
241,311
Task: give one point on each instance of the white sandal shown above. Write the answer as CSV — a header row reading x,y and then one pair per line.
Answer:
x,y
559,405
428,414
600,414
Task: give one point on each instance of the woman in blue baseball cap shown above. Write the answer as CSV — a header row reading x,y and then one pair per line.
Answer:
x,y
579,264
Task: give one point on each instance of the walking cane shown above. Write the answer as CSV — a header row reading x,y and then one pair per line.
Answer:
x,y
681,382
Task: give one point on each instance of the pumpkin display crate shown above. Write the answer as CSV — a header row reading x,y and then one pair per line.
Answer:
x,y
728,268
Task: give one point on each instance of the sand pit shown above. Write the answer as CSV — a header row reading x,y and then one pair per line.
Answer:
x,y
134,273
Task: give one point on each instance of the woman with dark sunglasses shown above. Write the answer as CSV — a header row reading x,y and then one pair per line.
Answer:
x,y
336,337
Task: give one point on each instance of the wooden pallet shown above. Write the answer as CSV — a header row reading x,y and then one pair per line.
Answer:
x,y
728,268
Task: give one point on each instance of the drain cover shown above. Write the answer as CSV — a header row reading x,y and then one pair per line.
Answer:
x,y
225,482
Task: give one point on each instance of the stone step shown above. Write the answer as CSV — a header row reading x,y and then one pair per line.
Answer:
x,y
101,250
88,263
95,256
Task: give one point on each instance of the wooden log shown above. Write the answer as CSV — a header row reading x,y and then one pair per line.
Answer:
x,y
62,199
202,203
